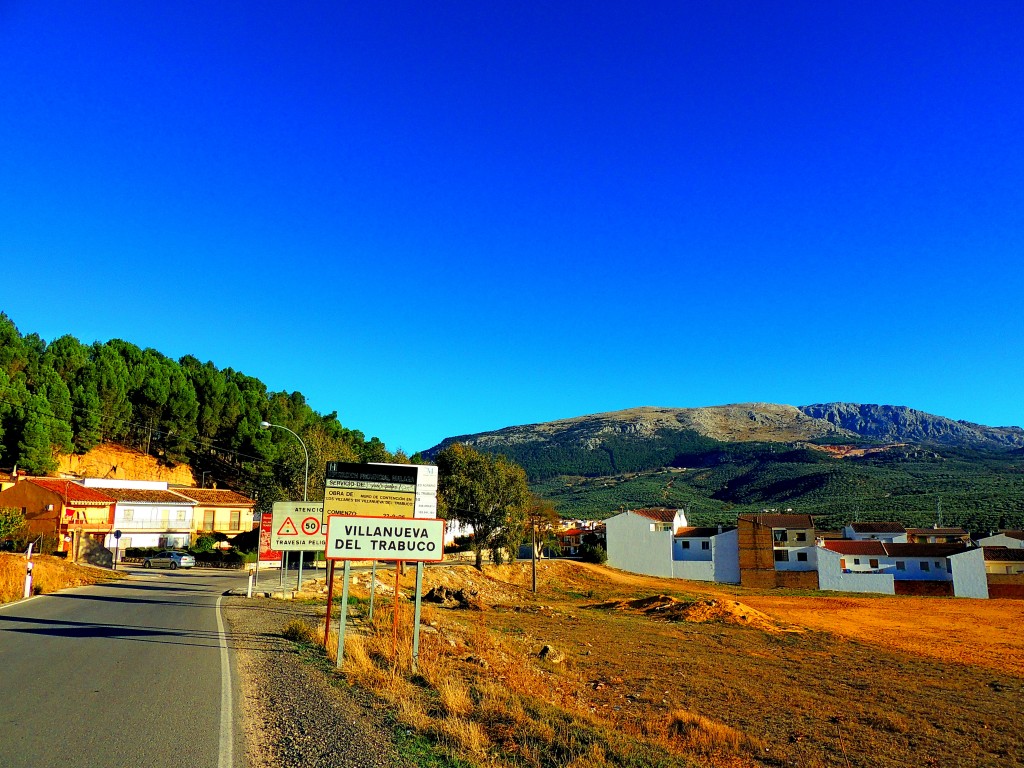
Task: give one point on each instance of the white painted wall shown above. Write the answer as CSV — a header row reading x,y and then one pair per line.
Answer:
x,y
725,549
896,538
1001,540
831,576
968,570
694,553
938,568
152,525
634,545
794,563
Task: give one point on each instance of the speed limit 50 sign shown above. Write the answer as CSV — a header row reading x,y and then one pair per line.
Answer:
x,y
298,526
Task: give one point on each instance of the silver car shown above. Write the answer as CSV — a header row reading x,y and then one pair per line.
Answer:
x,y
170,558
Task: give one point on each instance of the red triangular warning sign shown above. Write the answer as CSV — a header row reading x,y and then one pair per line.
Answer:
x,y
288,528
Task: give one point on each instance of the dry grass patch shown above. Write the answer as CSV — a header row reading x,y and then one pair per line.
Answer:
x,y
49,574
300,631
484,701
708,737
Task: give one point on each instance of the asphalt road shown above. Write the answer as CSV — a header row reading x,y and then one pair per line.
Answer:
x,y
132,673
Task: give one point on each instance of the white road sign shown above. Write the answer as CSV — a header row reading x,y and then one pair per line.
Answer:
x,y
384,538
298,526
425,506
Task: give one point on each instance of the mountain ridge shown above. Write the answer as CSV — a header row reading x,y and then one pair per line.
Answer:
x,y
755,422
839,461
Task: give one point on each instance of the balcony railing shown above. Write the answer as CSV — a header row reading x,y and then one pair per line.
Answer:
x,y
153,525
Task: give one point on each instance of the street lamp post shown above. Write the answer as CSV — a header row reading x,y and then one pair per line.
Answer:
x,y
305,488
305,482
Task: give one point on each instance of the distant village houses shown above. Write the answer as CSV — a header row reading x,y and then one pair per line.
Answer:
x,y
774,549
81,515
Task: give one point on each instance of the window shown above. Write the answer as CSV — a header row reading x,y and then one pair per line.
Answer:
x,y
686,545
129,515
781,556
236,519
705,545
664,526
779,535
938,565
925,566
208,519
801,536
801,556
181,515
873,563
856,561
900,565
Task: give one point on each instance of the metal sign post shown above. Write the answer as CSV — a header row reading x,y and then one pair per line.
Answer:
x,y
373,586
416,617
330,602
344,614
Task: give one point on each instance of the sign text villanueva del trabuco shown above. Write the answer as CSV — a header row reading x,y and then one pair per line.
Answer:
x,y
381,512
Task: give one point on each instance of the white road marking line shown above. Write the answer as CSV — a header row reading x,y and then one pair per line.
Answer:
x,y
227,741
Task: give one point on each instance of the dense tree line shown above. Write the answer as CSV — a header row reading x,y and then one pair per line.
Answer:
x,y
68,397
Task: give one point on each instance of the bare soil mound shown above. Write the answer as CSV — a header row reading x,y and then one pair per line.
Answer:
x,y
666,608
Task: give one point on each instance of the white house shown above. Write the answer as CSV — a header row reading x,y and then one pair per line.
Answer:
x,y
876,532
146,513
659,542
640,540
706,554
877,566
1008,539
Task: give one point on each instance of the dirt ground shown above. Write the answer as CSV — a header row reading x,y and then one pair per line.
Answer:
x,y
984,633
888,681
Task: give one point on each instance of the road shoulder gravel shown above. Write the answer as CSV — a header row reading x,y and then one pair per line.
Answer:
x,y
292,713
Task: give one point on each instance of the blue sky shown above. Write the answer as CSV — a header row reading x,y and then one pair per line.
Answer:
x,y
444,218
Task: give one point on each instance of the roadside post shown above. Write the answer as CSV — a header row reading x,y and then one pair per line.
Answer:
x,y
28,571
252,574
117,547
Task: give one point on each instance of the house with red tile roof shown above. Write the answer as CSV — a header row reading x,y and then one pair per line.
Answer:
x,y
937,535
62,509
146,513
219,510
1004,560
894,568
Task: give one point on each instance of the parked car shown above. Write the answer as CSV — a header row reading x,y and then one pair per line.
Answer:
x,y
169,559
